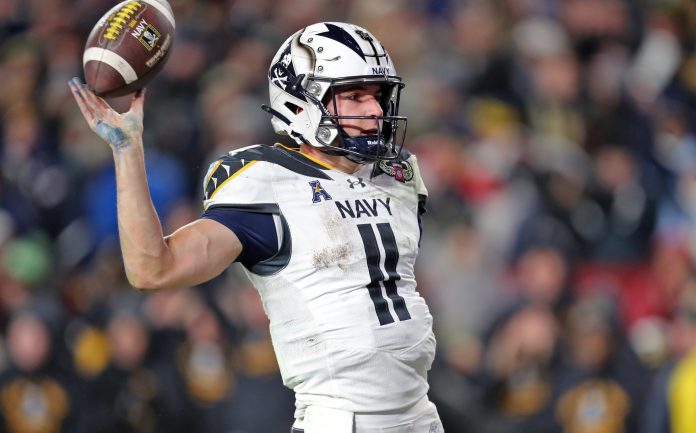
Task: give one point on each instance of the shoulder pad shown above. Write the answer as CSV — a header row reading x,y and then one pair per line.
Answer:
x,y
404,155
231,164
223,170
420,185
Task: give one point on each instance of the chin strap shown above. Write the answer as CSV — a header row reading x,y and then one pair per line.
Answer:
x,y
275,113
333,151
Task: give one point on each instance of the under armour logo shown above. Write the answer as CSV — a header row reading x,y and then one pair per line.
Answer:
x,y
352,183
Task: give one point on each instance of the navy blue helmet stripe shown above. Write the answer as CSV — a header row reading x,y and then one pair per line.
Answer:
x,y
338,34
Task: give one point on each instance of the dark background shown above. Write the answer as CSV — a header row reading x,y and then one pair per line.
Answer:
x,y
557,142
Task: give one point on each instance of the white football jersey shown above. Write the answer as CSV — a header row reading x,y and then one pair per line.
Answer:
x,y
349,329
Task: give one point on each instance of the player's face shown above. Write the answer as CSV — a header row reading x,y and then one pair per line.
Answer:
x,y
362,100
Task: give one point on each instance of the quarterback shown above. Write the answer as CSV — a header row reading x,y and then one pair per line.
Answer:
x,y
327,230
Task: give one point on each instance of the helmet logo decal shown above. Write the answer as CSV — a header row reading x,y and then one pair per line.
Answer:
x,y
282,74
366,36
318,192
285,61
338,34
378,70
279,72
363,34
278,79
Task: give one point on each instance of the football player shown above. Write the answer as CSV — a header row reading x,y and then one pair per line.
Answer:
x,y
328,231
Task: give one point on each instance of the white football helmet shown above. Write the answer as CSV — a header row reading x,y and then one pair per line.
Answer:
x,y
318,58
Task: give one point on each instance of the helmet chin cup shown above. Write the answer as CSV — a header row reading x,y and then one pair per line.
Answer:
x,y
385,144
365,148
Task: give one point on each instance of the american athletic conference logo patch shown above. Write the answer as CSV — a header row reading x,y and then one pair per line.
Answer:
x,y
401,171
318,191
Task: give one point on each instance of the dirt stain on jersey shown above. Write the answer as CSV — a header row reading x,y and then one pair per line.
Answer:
x,y
335,227
338,253
331,255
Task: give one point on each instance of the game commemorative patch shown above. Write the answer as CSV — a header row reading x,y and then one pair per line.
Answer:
x,y
399,170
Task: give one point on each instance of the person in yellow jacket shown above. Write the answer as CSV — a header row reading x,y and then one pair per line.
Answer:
x,y
670,407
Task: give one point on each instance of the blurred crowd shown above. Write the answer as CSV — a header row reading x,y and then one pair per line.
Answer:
x,y
558,142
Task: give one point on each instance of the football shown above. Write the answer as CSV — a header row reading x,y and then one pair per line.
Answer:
x,y
128,46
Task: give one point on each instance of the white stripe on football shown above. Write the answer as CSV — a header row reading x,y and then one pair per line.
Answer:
x,y
112,59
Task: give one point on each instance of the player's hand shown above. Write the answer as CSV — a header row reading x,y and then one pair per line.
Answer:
x,y
119,130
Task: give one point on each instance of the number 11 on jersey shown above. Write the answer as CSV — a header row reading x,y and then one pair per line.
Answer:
x,y
391,258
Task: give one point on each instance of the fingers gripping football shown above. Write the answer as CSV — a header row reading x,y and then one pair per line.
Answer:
x,y
119,130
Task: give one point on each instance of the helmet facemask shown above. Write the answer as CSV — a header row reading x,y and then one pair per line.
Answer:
x,y
390,129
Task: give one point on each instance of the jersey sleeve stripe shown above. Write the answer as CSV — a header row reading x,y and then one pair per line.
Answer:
x,y
237,173
212,172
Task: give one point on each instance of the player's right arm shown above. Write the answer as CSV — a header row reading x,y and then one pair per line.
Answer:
x,y
191,255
